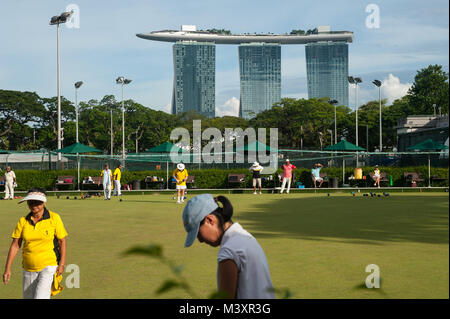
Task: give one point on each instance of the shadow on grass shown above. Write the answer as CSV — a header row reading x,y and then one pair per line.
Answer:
x,y
362,220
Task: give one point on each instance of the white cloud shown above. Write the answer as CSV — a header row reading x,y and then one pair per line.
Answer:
x,y
393,89
229,108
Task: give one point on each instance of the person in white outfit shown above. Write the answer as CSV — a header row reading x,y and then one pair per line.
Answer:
x,y
107,181
10,181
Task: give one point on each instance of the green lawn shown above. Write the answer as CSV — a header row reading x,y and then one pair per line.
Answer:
x,y
317,246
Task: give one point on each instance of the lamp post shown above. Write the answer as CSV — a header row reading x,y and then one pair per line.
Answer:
x,y
77,86
110,110
434,109
334,102
378,84
57,20
356,81
122,81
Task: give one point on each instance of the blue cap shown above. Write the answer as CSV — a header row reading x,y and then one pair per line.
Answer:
x,y
194,212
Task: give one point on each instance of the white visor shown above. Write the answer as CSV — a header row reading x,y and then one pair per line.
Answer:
x,y
34,196
180,166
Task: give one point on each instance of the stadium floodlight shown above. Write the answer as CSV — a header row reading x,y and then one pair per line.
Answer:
x,y
378,84
356,81
78,84
57,20
122,81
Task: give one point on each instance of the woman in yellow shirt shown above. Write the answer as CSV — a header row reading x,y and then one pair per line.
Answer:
x,y
180,175
43,236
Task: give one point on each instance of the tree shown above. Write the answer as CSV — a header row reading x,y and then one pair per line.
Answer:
x,y
17,109
430,87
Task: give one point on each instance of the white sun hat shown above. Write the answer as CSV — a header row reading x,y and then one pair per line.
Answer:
x,y
35,196
255,164
180,166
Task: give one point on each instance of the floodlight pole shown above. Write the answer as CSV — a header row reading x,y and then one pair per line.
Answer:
x,y
58,92
110,109
58,20
123,129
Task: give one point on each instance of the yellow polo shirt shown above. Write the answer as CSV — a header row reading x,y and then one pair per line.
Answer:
x,y
180,176
117,174
40,241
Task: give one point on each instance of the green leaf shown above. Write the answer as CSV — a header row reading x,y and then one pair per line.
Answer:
x,y
151,251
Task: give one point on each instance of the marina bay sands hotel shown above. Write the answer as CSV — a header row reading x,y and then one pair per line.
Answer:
x,y
259,66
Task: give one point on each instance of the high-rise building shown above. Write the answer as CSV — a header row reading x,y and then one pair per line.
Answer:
x,y
327,70
260,75
194,77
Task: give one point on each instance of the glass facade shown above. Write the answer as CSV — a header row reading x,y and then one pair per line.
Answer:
x,y
260,77
194,78
327,70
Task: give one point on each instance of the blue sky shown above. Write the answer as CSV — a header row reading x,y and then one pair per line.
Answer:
x,y
411,36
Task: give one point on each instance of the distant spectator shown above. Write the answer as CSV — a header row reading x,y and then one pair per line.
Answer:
x,y
376,176
315,174
116,177
10,183
180,175
107,181
287,175
256,172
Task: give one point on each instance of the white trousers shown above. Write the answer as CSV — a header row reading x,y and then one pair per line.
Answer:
x,y
38,285
117,188
286,180
9,190
107,190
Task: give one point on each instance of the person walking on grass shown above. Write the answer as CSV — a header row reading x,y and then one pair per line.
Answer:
x,y
43,236
180,175
107,181
315,174
256,170
116,177
10,182
287,175
243,270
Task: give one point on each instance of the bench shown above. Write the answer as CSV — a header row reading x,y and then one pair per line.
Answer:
x,y
154,180
64,181
94,182
412,178
190,181
238,179
438,179
383,178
